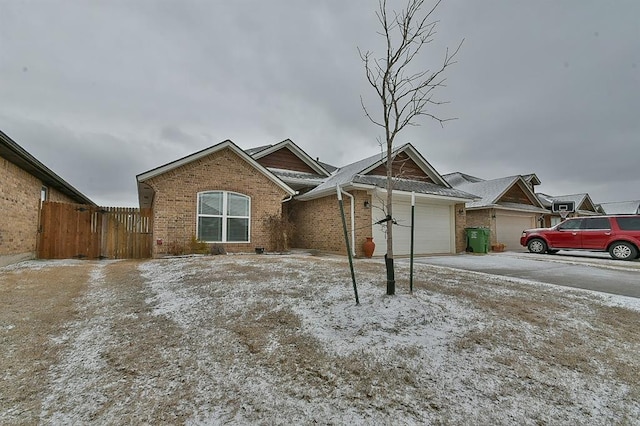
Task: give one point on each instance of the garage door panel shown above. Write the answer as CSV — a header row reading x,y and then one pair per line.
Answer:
x,y
432,230
509,227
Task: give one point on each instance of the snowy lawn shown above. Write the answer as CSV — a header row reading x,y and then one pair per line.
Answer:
x,y
279,340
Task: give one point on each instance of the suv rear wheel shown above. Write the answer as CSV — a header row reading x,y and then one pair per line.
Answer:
x,y
537,245
623,251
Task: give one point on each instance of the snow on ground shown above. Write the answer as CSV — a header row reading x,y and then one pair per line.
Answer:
x,y
280,340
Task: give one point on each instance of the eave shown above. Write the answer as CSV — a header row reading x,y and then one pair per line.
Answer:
x,y
15,154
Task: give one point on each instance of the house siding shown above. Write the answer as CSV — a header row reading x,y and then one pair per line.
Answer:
x,y
175,200
285,159
319,225
403,167
515,194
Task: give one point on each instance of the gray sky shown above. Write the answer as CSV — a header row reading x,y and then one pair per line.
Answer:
x,y
100,91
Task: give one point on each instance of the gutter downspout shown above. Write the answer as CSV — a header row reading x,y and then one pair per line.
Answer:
x,y
290,197
353,223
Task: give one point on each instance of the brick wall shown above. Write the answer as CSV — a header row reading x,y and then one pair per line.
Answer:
x,y
19,204
461,223
175,200
20,207
59,197
319,224
483,218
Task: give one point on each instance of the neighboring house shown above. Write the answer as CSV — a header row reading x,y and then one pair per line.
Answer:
x,y
506,205
24,183
223,194
584,206
621,207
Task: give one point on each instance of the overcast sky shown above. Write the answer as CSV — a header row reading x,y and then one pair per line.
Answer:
x,y
100,91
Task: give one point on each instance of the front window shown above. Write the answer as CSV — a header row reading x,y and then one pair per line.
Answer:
x,y
223,217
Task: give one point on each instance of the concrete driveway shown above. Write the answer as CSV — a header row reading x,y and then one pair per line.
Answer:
x,y
591,271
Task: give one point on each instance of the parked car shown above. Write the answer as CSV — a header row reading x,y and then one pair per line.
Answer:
x,y
619,235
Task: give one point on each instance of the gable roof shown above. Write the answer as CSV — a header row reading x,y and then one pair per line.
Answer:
x,y
263,151
578,200
532,178
621,207
355,174
17,155
491,191
145,192
308,173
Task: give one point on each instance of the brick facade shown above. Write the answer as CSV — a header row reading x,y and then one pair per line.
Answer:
x,y
461,224
484,218
175,199
319,224
20,207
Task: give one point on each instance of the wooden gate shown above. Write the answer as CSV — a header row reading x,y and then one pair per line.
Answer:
x,y
89,232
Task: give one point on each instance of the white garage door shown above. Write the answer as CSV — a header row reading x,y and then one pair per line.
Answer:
x,y
509,227
434,230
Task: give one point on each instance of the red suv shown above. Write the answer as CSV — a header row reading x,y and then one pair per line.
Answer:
x,y
619,235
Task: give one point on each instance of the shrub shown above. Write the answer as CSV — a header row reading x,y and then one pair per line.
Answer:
x,y
281,231
198,247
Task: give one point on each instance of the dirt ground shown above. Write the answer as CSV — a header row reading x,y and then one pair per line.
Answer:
x,y
279,340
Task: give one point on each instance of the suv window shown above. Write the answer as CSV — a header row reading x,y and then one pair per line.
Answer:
x,y
596,223
629,223
570,224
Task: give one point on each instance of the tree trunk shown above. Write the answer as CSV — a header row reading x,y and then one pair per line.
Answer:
x,y
388,258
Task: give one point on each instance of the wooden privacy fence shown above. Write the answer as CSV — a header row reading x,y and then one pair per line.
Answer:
x,y
89,232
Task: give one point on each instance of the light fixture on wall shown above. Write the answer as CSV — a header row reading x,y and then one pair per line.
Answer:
x,y
367,205
460,211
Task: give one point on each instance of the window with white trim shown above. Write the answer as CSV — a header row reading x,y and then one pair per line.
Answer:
x,y
223,217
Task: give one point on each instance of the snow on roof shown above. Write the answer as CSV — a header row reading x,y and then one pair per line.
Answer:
x,y
578,199
410,185
490,191
621,207
458,178
328,167
352,173
545,199
253,151
294,173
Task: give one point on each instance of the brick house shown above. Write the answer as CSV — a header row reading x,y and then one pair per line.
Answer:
x,y
218,195
505,206
24,183
223,194
440,216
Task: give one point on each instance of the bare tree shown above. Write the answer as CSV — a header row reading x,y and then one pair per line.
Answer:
x,y
405,95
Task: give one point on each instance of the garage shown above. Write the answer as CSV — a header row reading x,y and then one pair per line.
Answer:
x,y
434,228
509,227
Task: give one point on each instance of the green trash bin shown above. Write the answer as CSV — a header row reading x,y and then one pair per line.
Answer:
x,y
477,240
